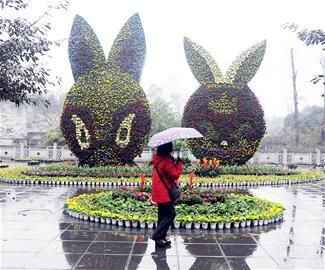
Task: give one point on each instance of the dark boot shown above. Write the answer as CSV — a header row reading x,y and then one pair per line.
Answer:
x,y
162,243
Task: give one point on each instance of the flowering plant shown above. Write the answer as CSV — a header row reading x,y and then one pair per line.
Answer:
x,y
207,167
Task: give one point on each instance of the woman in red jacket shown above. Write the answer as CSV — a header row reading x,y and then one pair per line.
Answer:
x,y
170,171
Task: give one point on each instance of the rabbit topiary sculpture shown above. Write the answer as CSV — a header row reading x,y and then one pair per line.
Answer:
x,y
223,108
106,117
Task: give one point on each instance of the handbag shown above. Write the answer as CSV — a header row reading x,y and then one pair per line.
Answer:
x,y
174,193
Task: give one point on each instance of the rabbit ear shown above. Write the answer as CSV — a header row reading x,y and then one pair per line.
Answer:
x,y
129,48
203,66
245,66
85,51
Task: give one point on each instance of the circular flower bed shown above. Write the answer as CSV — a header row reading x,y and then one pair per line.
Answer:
x,y
17,175
206,209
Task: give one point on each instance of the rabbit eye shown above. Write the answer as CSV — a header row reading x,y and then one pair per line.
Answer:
x,y
82,133
124,131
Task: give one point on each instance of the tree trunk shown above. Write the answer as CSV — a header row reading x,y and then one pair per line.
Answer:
x,y
322,130
295,99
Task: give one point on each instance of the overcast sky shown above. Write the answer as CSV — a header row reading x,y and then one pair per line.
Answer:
x,y
223,28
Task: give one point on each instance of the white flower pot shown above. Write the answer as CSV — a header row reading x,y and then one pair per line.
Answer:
x,y
188,225
227,225
213,226
205,225
127,223
197,225
108,220
236,224
248,223
96,219
221,225
277,219
255,223
243,224
142,225
176,224
260,222
85,217
135,224
102,220
120,223
266,221
114,221
150,225
92,218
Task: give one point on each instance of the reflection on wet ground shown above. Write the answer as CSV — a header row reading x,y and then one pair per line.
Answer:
x,y
35,234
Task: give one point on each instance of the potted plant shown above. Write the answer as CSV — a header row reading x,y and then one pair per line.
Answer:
x,y
176,224
135,221
127,223
220,223
150,221
120,220
102,220
114,219
205,222
242,222
188,220
142,222
212,220
235,221
197,222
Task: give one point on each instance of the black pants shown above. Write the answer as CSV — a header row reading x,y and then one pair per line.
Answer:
x,y
166,216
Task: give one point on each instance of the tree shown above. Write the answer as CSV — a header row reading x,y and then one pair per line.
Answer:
x,y
313,37
23,45
309,37
54,135
45,116
295,97
310,120
163,115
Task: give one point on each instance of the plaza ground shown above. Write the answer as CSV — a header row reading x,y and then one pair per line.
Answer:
x,y
36,234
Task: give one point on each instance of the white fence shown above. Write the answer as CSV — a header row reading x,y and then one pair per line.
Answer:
x,y
51,153
55,153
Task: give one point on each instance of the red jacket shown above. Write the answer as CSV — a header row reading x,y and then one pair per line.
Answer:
x,y
170,173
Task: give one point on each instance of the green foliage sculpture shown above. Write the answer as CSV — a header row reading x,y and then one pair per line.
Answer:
x,y
106,117
224,109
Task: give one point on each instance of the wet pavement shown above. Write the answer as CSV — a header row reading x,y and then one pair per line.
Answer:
x,y
35,234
